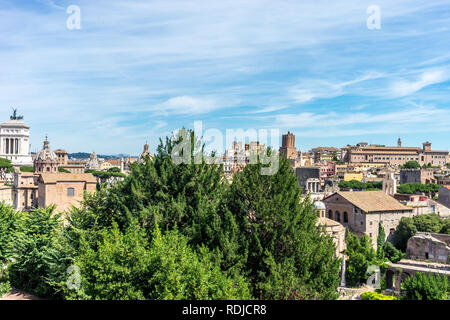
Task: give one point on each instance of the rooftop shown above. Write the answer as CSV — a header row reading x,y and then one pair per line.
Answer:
x,y
372,201
67,177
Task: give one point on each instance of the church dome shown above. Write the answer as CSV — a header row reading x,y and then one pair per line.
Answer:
x,y
145,153
46,153
319,205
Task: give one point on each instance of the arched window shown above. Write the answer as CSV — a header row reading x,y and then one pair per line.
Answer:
x,y
330,214
338,216
345,217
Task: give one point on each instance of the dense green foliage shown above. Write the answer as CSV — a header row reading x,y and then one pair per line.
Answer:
x,y
376,296
287,257
63,170
105,174
26,169
392,253
176,231
426,287
380,240
408,227
361,255
415,187
126,266
35,258
6,165
410,165
358,185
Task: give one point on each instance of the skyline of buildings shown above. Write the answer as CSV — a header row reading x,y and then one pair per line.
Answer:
x,y
16,137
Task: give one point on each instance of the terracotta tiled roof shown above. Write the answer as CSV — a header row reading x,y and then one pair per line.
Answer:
x,y
370,201
327,222
67,177
114,162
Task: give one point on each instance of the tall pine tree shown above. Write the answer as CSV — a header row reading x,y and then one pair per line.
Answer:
x,y
286,255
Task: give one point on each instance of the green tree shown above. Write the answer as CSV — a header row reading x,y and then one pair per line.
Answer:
x,y
34,255
6,165
408,227
380,240
125,266
63,170
411,165
393,254
426,287
285,255
405,230
361,255
26,169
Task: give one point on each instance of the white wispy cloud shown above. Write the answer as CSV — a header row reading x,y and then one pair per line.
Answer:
x,y
136,65
188,105
426,78
310,89
342,124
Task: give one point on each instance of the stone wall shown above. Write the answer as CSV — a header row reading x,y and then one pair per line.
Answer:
x,y
429,247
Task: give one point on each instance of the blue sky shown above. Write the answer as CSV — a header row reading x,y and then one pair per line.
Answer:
x,y
137,70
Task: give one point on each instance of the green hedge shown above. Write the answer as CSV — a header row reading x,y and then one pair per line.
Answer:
x,y
376,296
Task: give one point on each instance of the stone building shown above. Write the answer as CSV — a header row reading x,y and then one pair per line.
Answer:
x,y
444,196
417,176
46,161
75,166
363,153
324,154
308,179
398,272
93,163
15,141
331,227
390,184
433,247
46,186
6,193
288,146
443,180
63,157
25,190
64,189
361,211
146,153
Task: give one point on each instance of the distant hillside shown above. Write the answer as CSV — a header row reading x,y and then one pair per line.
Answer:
x,y
86,155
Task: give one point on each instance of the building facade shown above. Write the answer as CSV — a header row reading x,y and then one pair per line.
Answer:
x,y
15,141
288,146
417,176
361,211
444,196
363,153
433,247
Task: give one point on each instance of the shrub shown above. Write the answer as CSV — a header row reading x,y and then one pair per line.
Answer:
x,y
376,296
426,287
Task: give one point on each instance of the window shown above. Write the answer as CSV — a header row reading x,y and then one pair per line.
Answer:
x,y
70,192
345,216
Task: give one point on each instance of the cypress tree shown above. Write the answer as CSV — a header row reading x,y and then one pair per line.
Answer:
x,y
286,255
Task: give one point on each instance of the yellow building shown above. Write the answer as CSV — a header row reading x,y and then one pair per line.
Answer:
x,y
5,193
353,176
